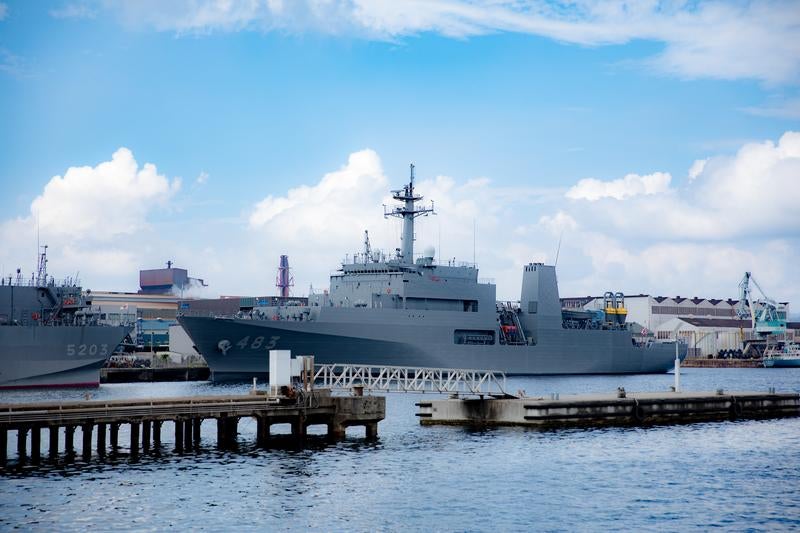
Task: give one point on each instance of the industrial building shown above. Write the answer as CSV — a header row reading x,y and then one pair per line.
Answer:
x,y
709,325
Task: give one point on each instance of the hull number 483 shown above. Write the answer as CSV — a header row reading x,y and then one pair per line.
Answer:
x,y
257,343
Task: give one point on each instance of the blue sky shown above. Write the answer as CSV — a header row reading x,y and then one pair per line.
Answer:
x,y
263,101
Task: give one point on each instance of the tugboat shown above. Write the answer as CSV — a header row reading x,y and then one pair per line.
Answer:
x,y
786,355
47,339
407,311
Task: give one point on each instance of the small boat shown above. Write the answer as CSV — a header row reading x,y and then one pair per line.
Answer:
x,y
782,356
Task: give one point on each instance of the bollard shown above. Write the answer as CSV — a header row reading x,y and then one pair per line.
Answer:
x,y
677,370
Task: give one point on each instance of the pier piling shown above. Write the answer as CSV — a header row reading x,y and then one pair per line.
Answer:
x,y
196,430
146,417
69,440
156,434
114,435
134,438
101,439
53,444
146,436
22,442
262,430
36,443
188,429
178,434
86,448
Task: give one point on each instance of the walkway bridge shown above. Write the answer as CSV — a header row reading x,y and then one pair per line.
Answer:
x,y
410,379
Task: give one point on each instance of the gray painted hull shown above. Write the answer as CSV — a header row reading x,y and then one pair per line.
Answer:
x,y
559,351
55,356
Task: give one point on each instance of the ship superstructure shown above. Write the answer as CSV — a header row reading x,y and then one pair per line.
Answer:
x,y
47,337
398,310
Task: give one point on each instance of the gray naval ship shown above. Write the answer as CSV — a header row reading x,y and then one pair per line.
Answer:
x,y
47,339
397,311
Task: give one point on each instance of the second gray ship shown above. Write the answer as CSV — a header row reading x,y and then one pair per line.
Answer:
x,y
48,336
397,311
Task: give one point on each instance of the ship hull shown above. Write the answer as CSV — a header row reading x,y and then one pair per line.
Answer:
x,y
778,362
238,349
55,356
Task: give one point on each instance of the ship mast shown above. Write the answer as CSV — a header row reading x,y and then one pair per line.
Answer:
x,y
408,212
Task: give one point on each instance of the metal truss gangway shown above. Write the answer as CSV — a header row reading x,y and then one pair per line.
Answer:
x,y
412,379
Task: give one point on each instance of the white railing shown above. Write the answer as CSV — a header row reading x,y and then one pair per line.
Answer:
x,y
410,379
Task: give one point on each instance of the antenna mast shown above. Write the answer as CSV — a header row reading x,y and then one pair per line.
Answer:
x,y
285,279
408,212
41,270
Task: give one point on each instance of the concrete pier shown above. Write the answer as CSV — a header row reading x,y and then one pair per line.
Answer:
x,y
620,409
145,418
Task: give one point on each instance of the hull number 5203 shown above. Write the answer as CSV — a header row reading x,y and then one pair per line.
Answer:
x,y
91,350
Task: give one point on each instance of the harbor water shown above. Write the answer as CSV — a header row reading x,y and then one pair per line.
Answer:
x,y
729,475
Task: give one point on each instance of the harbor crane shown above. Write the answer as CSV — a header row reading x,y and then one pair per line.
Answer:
x,y
768,317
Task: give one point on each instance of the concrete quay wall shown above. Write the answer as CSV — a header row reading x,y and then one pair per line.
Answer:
x,y
599,410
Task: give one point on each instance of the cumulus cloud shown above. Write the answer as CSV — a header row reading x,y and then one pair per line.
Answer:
x,y
631,185
697,168
320,223
201,178
750,194
104,201
735,213
748,39
92,218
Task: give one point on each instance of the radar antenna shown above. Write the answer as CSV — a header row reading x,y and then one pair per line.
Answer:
x,y
408,212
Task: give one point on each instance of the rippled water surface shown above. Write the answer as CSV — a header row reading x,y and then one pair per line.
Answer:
x,y
728,475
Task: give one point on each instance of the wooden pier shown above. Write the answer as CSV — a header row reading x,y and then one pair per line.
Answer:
x,y
620,409
99,421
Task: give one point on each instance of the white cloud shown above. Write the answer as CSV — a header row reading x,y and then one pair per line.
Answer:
x,y
735,213
104,201
631,185
202,178
3,10
753,193
74,10
757,40
316,225
697,168
558,223
788,108
697,238
95,220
